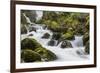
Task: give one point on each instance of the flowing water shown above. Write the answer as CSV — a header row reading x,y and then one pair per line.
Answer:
x,y
66,54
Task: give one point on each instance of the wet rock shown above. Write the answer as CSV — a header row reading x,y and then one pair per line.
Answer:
x,y
51,42
30,35
66,44
46,36
56,36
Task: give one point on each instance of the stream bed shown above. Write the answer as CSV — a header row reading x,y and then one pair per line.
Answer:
x,y
63,54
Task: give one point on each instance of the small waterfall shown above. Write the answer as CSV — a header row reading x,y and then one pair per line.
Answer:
x,y
78,42
39,15
28,20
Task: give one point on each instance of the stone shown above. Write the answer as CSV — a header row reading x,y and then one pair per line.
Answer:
x,y
46,36
51,42
66,44
29,43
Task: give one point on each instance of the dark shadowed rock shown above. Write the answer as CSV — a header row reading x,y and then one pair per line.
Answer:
x,y
46,36
51,42
66,44
30,35
56,36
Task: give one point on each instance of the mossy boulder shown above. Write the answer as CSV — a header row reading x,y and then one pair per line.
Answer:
x,y
54,25
30,56
46,55
85,38
68,36
23,30
29,43
87,47
46,36
66,44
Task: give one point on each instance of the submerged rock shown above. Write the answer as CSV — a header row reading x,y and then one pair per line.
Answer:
x,y
51,42
46,55
29,43
66,44
30,56
46,35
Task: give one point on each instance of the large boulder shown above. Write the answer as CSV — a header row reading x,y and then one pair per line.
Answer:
x,y
29,43
85,38
46,55
30,56
87,47
46,36
66,44
51,42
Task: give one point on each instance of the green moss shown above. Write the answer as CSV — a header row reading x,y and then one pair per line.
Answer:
x,y
46,54
29,43
54,24
30,56
68,36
